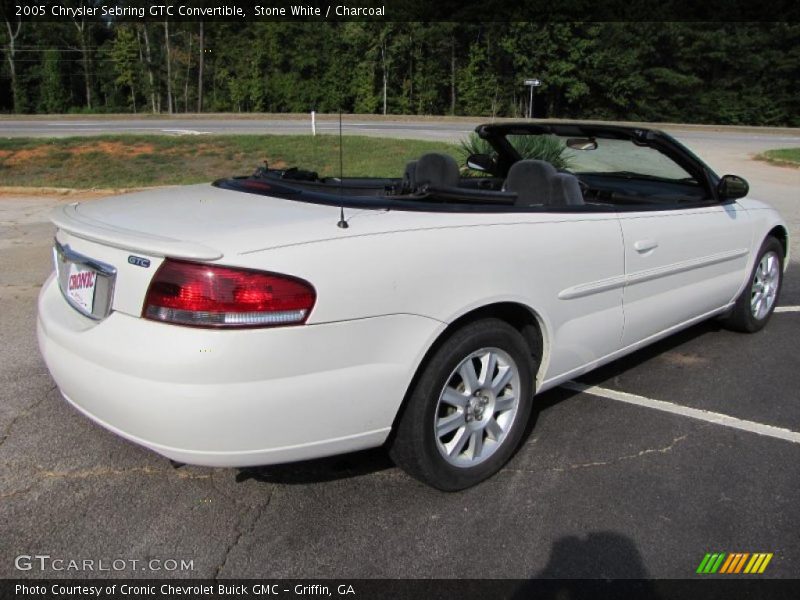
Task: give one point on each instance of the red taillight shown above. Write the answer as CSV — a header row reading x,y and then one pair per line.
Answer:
x,y
212,296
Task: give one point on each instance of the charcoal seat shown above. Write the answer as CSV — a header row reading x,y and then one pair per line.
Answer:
x,y
565,190
436,170
530,180
410,177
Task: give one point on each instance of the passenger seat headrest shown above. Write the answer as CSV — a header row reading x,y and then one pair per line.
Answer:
x,y
438,170
530,180
565,190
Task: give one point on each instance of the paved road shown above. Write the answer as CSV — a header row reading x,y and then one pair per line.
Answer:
x,y
423,129
716,145
600,488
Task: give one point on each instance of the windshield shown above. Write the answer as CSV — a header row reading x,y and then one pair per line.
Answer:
x,y
610,156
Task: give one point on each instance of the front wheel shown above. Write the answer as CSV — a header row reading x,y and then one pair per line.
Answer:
x,y
468,410
757,301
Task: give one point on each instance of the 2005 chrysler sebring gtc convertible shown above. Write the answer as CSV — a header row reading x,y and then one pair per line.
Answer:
x,y
284,316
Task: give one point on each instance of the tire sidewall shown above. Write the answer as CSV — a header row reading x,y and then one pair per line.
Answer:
x,y
743,313
481,334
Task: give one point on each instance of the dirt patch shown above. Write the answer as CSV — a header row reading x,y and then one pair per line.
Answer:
x,y
195,150
113,149
684,359
17,157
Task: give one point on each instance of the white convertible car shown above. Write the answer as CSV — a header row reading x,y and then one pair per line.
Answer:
x,y
283,316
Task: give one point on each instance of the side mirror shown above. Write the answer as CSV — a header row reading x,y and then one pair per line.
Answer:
x,y
732,187
480,162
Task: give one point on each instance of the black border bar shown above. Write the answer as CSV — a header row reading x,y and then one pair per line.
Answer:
x,y
705,587
467,11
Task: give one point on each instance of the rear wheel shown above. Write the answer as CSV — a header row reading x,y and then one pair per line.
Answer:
x,y
467,412
757,301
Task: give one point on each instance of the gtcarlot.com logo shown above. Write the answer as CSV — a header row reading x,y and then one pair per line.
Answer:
x,y
734,563
45,562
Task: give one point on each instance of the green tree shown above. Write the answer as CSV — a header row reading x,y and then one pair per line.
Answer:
x,y
52,98
125,54
477,84
695,72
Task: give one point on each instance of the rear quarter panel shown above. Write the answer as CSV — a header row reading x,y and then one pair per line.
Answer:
x,y
441,270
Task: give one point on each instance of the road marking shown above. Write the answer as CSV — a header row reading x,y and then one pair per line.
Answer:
x,y
185,131
86,128
787,309
686,411
77,124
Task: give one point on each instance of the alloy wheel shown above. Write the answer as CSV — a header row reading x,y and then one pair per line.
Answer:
x,y
765,285
477,407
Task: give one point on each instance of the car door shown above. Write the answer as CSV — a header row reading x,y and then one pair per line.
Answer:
x,y
577,272
681,264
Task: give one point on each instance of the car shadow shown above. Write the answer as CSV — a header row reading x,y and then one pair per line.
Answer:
x,y
619,366
555,396
365,462
320,470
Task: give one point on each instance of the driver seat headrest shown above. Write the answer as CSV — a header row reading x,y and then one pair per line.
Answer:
x,y
437,170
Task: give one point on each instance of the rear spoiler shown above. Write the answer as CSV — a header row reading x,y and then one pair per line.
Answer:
x,y
68,219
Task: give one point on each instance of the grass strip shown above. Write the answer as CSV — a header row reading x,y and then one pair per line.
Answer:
x,y
123,161
786,157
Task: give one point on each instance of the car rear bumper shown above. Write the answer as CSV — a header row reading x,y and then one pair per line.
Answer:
x,y
234,398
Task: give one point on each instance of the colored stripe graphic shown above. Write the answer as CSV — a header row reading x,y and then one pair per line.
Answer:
x,y
718,563
726,565
711,562
758,563
755,562
703,563
764,564
740,564
730,566
734,562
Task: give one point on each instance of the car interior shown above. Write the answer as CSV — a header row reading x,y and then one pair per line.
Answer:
x,y
510,182
528,183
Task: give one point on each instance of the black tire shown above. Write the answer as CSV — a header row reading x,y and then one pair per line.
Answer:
x,y
741,318
415,446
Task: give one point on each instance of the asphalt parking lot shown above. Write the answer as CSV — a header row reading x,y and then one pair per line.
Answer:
x,y
600,488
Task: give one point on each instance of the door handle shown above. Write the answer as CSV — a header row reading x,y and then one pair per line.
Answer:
x,y
643,246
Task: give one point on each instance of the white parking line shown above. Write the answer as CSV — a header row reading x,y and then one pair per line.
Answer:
x,y
686,411
787,309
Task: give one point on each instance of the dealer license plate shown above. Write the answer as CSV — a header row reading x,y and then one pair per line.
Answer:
x,y
81,283
85,283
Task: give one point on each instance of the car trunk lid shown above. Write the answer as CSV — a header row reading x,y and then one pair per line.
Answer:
x,y
199,222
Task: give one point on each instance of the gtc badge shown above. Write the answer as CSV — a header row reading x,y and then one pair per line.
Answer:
x,y
139,261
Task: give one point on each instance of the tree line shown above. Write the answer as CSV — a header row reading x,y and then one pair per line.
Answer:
x,y
734,73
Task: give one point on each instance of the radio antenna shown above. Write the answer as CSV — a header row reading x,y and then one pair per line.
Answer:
x,y
342,224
